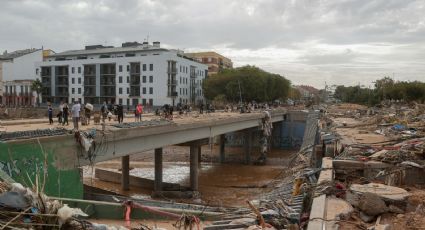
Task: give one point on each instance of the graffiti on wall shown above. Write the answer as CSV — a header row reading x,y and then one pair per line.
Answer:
x,y
14,167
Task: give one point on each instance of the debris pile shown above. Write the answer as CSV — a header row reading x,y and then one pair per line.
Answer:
x,y
378,162
25,208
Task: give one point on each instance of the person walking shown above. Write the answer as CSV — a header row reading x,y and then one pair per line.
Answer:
x,y
50,113
60,114
104,110
87,112
65,114
75,110
120,113
139,109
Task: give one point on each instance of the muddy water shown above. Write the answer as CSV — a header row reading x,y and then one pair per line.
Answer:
x,y
229,184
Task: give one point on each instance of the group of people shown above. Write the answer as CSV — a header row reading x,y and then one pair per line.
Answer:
x,y
64,113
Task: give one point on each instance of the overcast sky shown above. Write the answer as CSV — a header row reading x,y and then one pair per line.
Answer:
x,y
308,41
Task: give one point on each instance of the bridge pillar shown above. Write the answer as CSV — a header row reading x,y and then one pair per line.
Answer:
x,y
194,162
222,142
248,146
199,155
158,170
125,172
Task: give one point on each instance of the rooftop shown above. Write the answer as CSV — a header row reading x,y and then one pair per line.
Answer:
x,y
100,49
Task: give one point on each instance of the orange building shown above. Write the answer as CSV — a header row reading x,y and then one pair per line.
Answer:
x,y
215,61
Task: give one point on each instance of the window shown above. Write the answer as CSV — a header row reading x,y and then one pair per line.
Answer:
x,y
151,101
180,91
128,90
144,67
144,101
72,70
79,90
120,101
180,69
150,67
120,68
128,79
144,79
36,71
79,80
144,90
73,80
120,90
72,90
150,90
151,79
128,68
79,69
180,80
120,79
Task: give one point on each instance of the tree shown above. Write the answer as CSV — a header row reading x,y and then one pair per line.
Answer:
x,y
37,86
249,82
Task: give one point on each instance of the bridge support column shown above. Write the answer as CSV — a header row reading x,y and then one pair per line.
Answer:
x,y
199,155
125,172
222,142
194,167
158,170
248,146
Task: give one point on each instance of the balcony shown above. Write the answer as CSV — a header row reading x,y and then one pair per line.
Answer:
x,y
135,93
107,83
172,82
62,83
90,82
62,94
89,93
172,94
172,70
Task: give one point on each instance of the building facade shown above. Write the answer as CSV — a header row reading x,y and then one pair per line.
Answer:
x,y
17,75
131,74
215,61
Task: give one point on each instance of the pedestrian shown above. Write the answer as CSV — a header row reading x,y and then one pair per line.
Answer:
x,y
60,114
50,113
75,110
120,113
65,114
139,110
87,112
104,110
201,108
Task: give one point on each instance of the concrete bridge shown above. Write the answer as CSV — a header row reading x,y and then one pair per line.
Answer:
x,y
114,142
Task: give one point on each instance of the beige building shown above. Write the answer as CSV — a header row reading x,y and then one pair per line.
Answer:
x,y
215,61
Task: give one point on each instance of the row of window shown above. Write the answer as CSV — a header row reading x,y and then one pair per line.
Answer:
x,y
120,79
120,100
120,90
144,67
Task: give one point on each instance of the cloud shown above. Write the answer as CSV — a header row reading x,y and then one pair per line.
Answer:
x,y
308,41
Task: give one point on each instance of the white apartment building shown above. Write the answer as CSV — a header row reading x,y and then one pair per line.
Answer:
x,y
131,74
17,75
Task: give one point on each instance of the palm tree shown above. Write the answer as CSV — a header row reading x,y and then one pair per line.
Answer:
x,y
37,86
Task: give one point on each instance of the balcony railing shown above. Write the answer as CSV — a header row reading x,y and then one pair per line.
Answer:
x,y
172,70
107,82
172,82
135,94
62,94
172,94
89,93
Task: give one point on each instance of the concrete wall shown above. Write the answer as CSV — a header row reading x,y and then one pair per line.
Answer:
x,y
23,161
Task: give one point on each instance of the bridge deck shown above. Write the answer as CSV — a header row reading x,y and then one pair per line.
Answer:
x,y
118,142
